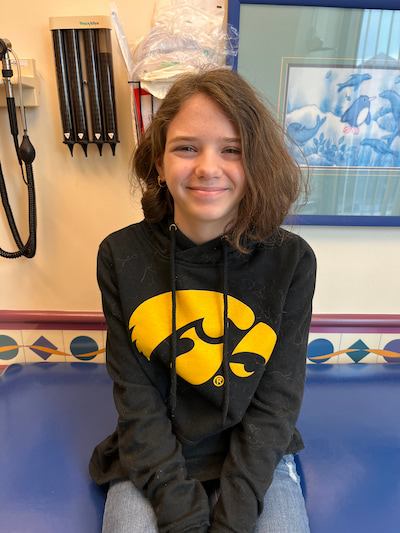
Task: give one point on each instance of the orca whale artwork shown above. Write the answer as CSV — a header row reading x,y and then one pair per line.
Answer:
x,y
331,70
345,116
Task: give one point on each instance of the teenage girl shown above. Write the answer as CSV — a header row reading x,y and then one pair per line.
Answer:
x,y
208,306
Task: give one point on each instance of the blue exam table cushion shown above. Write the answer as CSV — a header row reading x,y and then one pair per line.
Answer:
x,y
53,414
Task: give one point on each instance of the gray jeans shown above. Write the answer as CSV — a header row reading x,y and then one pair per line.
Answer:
x,y
127,511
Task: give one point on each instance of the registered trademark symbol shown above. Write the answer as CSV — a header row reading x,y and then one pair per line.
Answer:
x,y
219,381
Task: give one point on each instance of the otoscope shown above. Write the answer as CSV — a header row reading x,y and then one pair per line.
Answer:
x,y
25,153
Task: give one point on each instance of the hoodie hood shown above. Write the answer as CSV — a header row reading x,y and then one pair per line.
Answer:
x,y
186,250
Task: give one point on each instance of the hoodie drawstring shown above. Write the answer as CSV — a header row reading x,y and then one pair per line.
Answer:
x,y
225,362
174,340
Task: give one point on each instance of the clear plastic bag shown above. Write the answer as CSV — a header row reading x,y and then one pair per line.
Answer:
x,y
186,36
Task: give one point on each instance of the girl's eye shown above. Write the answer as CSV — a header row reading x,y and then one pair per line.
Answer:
x,y
184,149
232,150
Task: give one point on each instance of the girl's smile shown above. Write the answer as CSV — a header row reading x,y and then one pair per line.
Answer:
x,y
202,166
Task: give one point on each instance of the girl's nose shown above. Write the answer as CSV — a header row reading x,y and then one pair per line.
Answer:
x,y
208,165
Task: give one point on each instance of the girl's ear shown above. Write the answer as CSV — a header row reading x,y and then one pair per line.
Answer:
x,y
159,166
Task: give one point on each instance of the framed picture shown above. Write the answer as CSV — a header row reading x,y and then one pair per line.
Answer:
x,y
331,73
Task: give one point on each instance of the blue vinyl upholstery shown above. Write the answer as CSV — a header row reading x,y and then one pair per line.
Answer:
x,y
53,414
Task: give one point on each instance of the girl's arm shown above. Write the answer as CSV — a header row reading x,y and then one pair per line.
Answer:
x,y
149,452
262,438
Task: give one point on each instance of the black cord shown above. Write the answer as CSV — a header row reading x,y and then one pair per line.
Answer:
x,y
29,248
26,154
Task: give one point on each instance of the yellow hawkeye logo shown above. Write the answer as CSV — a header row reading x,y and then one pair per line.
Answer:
x,y
151,323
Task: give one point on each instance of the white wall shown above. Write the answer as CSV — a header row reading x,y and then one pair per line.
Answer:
x,y
358,269
80,200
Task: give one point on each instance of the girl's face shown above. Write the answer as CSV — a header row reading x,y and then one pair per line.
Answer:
x,y
202,166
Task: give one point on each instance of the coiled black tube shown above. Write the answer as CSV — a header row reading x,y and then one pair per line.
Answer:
x,y
29,248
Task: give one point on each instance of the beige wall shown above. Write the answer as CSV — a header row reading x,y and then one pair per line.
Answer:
x,y
80,200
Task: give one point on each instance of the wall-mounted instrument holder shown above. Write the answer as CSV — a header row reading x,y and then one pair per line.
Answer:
x,y
29,81
84,68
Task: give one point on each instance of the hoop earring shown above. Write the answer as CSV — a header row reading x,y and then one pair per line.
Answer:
x,y
161,184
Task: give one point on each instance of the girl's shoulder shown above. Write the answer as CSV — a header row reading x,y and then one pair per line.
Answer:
x,y
140,237
284,241
124,233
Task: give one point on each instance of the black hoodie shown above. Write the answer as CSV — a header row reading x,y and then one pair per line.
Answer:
x,y
207,350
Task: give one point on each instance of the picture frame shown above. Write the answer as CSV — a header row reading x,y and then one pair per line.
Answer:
x,y
331,72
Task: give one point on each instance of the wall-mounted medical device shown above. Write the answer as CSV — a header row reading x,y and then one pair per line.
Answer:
x,y
85,80
29,82
24,151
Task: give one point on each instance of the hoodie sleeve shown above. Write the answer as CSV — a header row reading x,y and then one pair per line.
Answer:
x,y
262,438
149,453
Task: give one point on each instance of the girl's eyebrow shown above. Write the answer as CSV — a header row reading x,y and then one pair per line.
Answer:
x,y
180,138
188,138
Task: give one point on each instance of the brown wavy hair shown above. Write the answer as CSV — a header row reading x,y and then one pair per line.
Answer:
x,y
274,180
